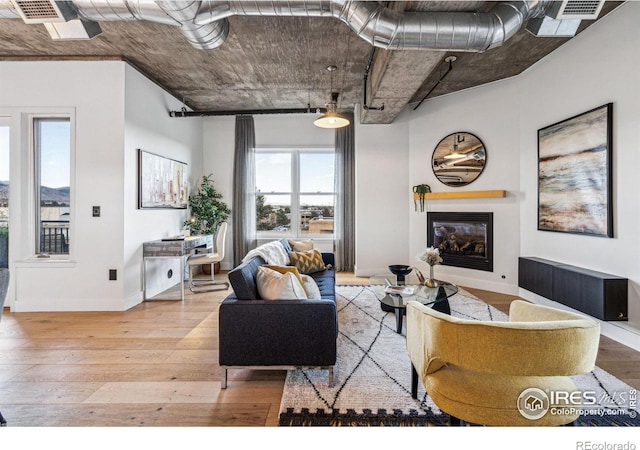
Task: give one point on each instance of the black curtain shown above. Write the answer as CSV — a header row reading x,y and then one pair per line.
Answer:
x,y
344,215
244,205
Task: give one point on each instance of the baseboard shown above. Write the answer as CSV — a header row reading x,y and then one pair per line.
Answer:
x,y
370,271
613,330
485,285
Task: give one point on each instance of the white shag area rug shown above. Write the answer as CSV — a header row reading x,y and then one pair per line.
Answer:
x,y
372,384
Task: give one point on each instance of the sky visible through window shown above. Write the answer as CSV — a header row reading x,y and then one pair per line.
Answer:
x,y
55,157
273,174
56,145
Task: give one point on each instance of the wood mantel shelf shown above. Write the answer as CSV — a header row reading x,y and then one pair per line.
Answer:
x,y
462,194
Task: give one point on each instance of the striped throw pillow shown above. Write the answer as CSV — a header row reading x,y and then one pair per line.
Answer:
x,y
307,262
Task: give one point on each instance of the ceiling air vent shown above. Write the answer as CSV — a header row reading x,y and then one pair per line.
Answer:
x,y
44,11
576,9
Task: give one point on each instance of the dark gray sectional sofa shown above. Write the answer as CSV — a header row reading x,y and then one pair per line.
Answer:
x,y
277,334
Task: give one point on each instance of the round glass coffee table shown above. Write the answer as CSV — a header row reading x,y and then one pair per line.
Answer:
x,y
396,301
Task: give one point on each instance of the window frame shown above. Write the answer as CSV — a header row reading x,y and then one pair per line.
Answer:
x,y
34,185
6,122
294,231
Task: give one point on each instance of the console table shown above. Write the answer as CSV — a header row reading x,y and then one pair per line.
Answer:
x,y
173,248
601,295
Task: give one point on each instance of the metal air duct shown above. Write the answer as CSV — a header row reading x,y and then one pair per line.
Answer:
x,y
204,23
176,13
384,28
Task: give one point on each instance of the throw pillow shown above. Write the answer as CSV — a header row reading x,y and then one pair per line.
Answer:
x,y
301,246
285,269
274,285
311,287
307,262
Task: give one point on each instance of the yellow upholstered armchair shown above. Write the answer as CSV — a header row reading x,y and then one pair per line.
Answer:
x,y
499,373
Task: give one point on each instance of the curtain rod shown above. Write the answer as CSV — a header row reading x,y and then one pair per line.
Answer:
x,y
308,110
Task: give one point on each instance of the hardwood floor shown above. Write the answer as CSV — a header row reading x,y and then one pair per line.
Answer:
x,y
156,365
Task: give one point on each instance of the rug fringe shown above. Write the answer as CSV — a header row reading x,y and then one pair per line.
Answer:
x,y
367,418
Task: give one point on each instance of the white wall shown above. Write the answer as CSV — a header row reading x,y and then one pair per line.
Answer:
x,y
276,130
383,198
596,67
94,93
105,175
599,66
489,112
148,126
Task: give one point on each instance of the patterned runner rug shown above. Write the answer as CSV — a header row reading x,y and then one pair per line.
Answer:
x,y
372,384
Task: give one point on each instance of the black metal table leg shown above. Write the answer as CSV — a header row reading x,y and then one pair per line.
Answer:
x,y
398,320
3,423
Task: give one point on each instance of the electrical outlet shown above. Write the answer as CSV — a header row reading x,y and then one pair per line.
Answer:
x,y
113,274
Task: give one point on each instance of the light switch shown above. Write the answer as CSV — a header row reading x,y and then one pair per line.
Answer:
x,y
96,211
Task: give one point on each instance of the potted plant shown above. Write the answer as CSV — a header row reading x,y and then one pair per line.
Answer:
x,y
208,211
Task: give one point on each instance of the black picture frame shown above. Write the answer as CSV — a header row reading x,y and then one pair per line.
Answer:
x,y
472,232
162,182
575,175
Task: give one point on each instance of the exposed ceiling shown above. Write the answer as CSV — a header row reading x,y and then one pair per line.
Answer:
x,y
274,63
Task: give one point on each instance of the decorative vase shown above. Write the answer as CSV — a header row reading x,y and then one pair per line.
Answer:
x,y
206,268
431,281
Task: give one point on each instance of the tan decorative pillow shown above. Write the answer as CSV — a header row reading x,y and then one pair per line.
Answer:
x,y
285,269
307,262
301,246
311,287
273,285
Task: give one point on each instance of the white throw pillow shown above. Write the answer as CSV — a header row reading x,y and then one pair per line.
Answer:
x,y
273,285
301,246
310,287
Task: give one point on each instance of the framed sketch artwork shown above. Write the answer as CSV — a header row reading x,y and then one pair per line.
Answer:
x,y
162,182
575,175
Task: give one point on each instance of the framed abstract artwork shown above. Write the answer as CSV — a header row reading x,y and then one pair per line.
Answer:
x,y
575,174
162,182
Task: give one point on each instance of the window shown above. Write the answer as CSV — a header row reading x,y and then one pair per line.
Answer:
x,y
52,157
4,192
295,193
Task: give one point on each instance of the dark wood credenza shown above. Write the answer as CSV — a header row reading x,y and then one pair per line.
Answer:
x,y
600,295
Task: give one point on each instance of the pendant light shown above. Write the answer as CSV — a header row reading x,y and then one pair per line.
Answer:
x,y
332,119
454,153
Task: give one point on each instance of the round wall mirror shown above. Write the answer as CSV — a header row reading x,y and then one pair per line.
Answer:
x,y
458,159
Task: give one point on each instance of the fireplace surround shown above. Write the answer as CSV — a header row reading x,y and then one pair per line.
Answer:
x,y
465,239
